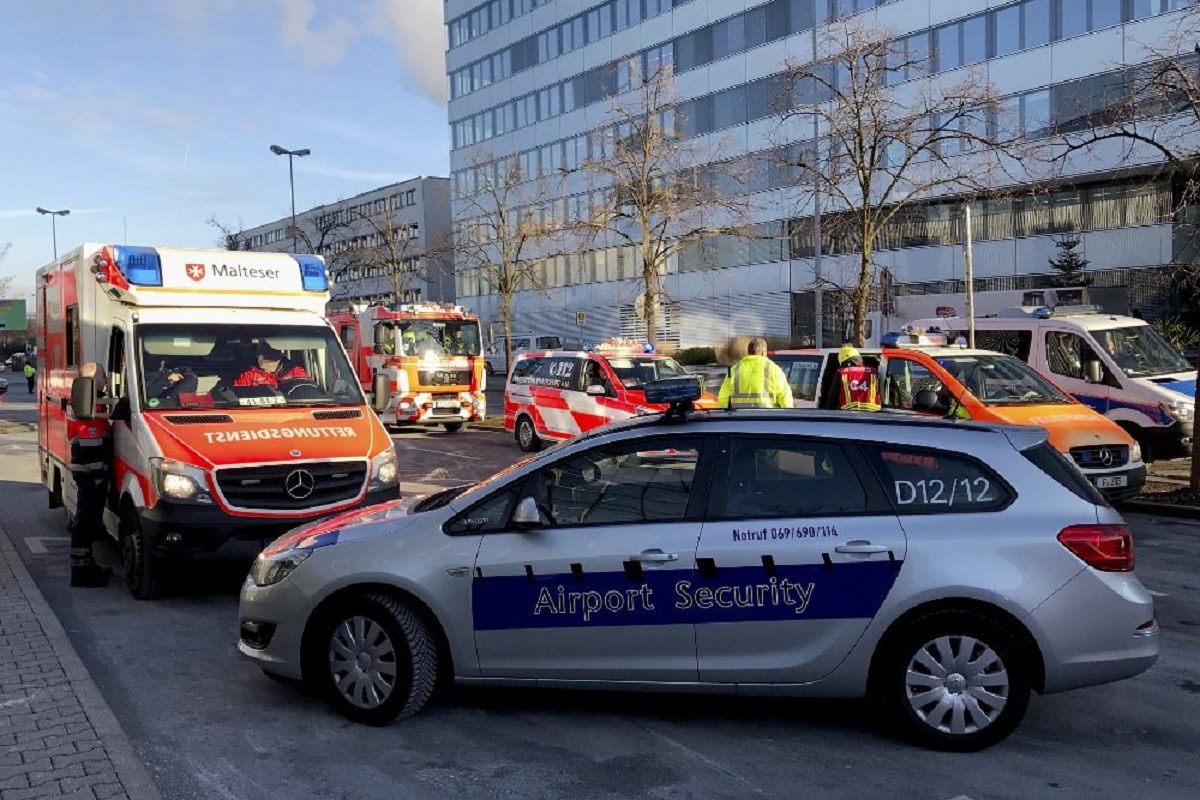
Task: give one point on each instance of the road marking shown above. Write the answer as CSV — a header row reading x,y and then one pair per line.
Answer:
x,y
36,544
444,453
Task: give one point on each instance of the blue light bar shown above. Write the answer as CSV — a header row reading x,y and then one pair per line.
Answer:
x,y
140,265
312,273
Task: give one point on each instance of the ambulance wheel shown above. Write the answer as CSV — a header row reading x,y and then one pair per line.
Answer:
x,y
954,680
143,573
452,427
527,438
372,658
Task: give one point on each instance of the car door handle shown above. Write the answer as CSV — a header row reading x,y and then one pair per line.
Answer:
x,y
861,547
655,557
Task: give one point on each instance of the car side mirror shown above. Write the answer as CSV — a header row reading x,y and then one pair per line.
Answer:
x,y
597,390
381,391
83,398
526,514
928,400
121,411
1094,371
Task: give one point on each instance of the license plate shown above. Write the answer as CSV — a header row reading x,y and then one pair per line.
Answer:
x,y
450,404
1111,481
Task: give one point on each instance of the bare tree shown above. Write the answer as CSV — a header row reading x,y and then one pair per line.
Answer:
x,y
392,251
503,233
891,137
231,238
663,192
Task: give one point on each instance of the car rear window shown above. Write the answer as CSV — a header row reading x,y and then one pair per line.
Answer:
x,y
1059,467
923,481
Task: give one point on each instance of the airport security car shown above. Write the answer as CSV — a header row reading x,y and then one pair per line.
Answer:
x,y
944,569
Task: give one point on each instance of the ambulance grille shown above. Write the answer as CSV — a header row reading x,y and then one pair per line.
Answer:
x,y
1101,456
198,419
266,487
446,377
345,413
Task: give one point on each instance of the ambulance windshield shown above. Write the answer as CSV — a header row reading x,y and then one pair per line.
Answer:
x,y
225,366
441,337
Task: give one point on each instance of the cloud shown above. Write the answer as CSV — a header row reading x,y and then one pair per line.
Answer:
x,y
418,34
325,44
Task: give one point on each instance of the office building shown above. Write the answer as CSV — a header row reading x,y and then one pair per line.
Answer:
x,y
532,79
386,245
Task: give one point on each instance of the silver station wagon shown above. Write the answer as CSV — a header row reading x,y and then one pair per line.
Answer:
x,y
945,570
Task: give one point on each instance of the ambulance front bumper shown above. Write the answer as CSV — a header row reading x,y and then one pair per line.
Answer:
x,y
201,532
429,409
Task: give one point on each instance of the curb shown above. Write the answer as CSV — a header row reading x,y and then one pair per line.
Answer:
x,y
129,768
1160,509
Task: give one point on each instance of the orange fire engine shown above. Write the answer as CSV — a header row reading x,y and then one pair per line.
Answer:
x,y
432,355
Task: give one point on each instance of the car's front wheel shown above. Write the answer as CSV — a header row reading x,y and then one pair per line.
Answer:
x,y
527,438
954,680
373,658
143,571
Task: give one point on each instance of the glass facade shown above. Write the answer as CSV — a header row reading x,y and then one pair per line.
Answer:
x,y
1001,31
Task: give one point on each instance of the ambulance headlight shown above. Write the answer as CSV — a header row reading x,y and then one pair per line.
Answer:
x,y
1135,452
384,470
269,570
180,482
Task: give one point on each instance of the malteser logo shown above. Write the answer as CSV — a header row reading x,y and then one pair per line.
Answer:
x,y
195,272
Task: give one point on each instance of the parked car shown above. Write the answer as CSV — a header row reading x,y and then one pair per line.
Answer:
x,y
944,570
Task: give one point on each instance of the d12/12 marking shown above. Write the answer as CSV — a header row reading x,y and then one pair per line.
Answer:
x,y
937,492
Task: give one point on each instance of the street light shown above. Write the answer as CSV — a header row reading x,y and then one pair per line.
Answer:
x,y
283,151
53,230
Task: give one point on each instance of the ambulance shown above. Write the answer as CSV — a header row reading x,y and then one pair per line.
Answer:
x,y
431,354
923,373
556,395
214,454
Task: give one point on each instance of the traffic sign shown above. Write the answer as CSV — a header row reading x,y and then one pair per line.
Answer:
x,y
580,318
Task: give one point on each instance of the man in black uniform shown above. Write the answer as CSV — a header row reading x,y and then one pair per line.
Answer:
x,y
91,460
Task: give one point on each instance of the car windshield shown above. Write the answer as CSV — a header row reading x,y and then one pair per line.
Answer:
x,y
1140,351
439,337
1002,380
635,372
225,366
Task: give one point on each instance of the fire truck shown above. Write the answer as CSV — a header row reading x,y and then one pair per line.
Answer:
x,y
214,454
430,352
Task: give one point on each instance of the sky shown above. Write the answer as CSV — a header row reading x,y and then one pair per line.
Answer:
x,y
147,118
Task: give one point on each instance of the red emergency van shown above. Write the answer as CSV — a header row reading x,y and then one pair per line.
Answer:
x,y
234,411
555,395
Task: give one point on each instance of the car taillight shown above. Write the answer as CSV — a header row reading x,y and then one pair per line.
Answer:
x,y
1108,548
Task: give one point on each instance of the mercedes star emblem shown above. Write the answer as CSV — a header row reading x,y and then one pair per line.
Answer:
x,y
299,484
1106,457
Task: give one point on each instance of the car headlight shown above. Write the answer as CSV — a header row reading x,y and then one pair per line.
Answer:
x,y
1135,452
1180,410
178,481
384,470
269,570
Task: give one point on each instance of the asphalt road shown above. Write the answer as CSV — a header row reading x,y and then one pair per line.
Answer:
x,y
209,725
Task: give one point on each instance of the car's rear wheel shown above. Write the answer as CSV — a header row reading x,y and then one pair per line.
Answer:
x,y
527,438
373,659
953,680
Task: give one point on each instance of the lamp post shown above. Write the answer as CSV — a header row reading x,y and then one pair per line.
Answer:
x,y
53,229
283,151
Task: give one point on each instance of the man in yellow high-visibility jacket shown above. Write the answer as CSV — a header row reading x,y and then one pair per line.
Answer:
x,y
755,382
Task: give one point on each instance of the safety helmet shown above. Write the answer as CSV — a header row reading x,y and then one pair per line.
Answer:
x,y
848,353
409,336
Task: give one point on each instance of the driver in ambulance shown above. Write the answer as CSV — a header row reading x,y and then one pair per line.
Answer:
x,y
271,370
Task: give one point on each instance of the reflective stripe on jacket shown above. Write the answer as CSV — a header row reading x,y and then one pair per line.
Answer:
x,y
859,389
755,382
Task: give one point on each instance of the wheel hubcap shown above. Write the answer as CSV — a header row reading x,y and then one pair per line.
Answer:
x,y
526,434
362,662
957,685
